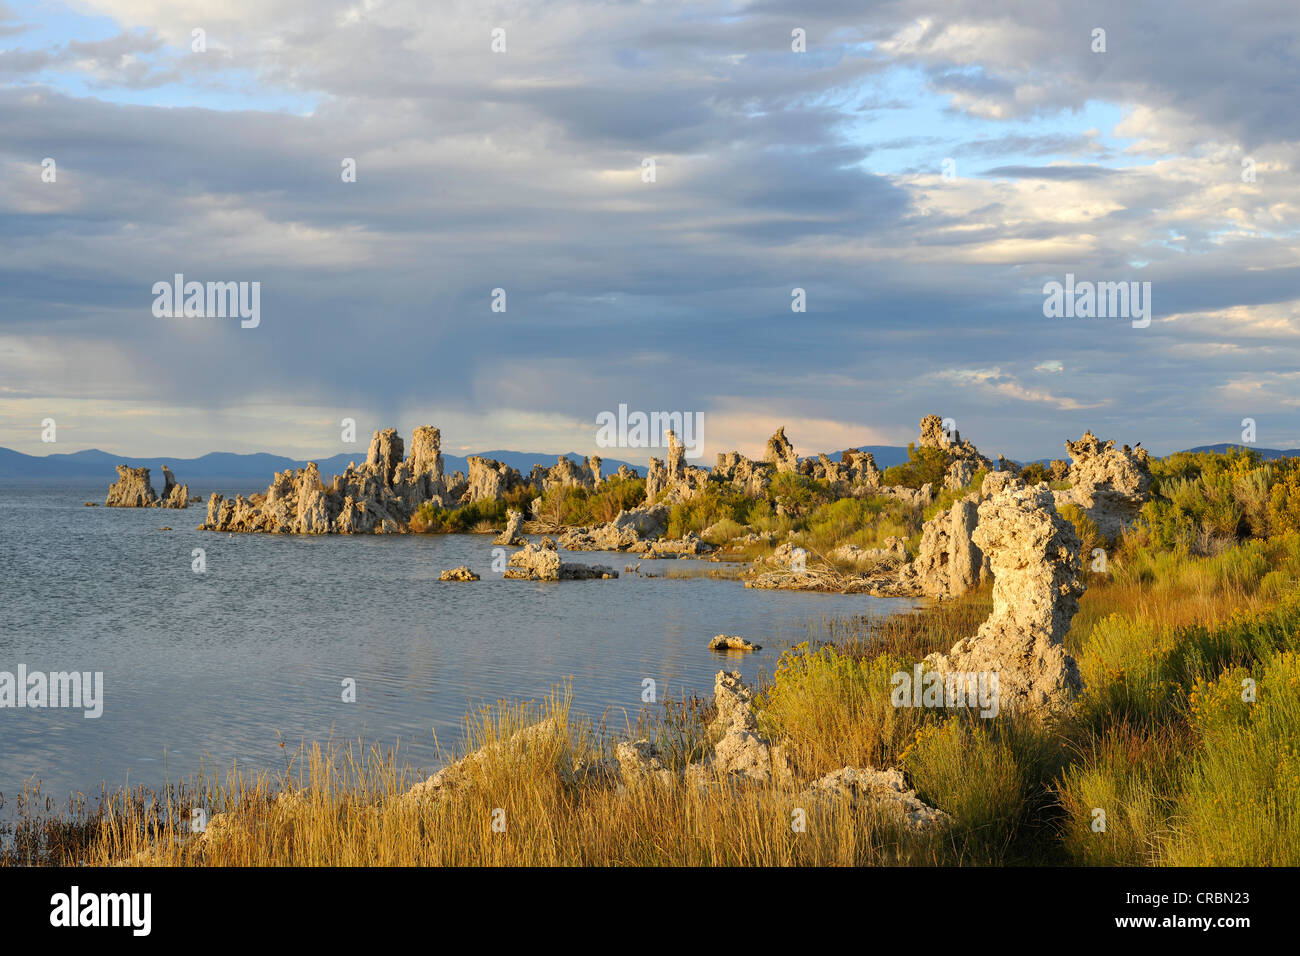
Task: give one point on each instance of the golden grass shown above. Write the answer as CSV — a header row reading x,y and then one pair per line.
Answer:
x,y
519,807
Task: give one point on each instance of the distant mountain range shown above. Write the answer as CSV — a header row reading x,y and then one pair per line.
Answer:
x,y
226,467
218,468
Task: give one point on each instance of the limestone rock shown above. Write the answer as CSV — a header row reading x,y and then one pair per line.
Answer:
x,y
948,563
131,490
959,475
732,642
511,536
883,788
539,561
1109,484
489,480
380,496
741,752
675,481
780,453
462,573
385,454
640,761
174,495
996,482
751,477
628,529
464,773
1034,556
957,449
893,554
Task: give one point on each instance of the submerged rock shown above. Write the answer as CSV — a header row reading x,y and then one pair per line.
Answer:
x,y
539,561
732,642
462,573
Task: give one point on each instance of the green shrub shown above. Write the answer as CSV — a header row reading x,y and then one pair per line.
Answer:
x,y
923,465
836,711
583,507
711,504
1119,799
993,776
1240,801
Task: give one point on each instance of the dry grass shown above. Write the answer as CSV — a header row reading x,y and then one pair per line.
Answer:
x,y
520,807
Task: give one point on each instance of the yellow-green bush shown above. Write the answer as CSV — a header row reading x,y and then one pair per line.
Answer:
x,y
836,711
1240,801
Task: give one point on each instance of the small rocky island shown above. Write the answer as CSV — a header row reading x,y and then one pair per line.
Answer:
x,y
133,490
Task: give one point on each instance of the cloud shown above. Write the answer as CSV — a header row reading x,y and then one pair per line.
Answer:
x,y
523,171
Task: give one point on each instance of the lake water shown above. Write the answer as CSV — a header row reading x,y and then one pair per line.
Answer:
x,y
211,666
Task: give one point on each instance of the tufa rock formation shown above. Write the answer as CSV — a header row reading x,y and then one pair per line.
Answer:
x,y
462,573
948,562
511,536
741,752
957,449
539,561
379,497
882,788
1034,556
780,453
732,642
133,490
1110,485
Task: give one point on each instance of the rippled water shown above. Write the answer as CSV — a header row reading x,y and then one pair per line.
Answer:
x,y
212,666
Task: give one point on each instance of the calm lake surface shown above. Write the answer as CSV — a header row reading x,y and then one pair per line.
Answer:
x,y
209,667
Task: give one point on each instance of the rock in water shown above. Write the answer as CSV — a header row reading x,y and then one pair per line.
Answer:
x,y
539,561
1034,556
462,573
132,489
511,535
174,495
732,642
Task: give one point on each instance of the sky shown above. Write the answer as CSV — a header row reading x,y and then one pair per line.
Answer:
x,y
920,169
